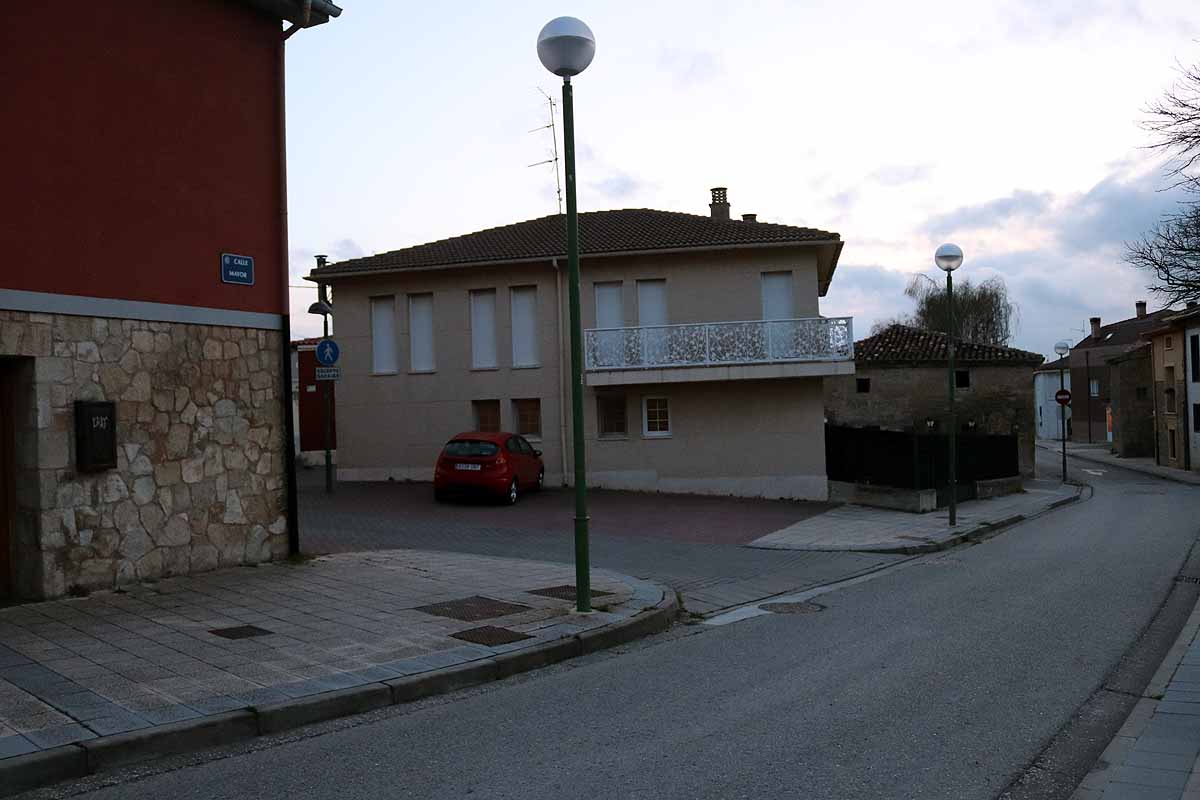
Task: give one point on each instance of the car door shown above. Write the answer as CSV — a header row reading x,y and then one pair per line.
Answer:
x,y
535,462
512,450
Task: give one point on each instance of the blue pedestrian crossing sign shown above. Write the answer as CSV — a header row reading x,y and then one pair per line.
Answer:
x,y
327,352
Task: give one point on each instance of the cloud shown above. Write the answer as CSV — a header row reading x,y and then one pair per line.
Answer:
x,y
900,174
617,186
302,260
1114,211
992,214
689,68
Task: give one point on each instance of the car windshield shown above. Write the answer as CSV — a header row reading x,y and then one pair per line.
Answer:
x,y
470,447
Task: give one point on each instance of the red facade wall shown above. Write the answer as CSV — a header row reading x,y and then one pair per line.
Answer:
x,y
142,140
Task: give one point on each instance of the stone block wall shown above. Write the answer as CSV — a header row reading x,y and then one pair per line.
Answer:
x,y
200,476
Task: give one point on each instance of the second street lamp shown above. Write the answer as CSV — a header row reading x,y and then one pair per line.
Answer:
x,y
1062,348
948,258
566,46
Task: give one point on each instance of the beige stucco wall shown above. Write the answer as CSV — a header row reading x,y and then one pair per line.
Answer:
x,y
903,397
393,426
1170,426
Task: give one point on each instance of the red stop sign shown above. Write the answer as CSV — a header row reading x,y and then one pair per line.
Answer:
x,y
1062,397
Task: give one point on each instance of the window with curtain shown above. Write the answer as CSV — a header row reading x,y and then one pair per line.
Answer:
x,y
420,333
483,329
525,351
487,415
383,335
527,414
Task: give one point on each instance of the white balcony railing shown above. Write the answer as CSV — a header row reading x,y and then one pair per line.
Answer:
x,y
719,343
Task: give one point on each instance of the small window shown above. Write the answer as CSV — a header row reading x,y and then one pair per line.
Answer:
x,y
962,379
487,415
610,416
1142,392
1169,375
1194,347
656,417
528,417
1170,344
1196,417
1170,397
1171,453
862,385
513,445
1094,387
526,447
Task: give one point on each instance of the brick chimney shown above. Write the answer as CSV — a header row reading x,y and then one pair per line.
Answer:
x,y
749,217
1140,305
1095,327
720,203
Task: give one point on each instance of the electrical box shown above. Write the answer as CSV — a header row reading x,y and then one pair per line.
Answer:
x,y
95,435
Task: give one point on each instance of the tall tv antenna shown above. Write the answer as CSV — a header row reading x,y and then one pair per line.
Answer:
x,y
554,142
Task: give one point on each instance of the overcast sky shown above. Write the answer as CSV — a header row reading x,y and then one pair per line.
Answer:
x,y
1010,128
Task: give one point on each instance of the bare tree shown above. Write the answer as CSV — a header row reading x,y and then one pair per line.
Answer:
x,y
983,312
1170,251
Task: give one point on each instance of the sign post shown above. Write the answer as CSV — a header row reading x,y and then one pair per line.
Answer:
x,y
327,355
1063,398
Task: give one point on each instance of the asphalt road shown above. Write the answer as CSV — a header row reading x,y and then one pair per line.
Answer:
x,y
941,678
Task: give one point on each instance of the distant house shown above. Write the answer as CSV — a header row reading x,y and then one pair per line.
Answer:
x,y
704,350
1047,380
1092,411
1174,355
900,383
1131,402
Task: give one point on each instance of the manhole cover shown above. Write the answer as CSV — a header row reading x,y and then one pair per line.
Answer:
x,y
490,636
564,592
240,632
792,608
472,609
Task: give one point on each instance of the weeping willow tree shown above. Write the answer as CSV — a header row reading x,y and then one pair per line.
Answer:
x,y
983,312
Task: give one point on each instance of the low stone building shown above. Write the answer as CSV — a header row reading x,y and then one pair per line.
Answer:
x,y
900,383
1131,403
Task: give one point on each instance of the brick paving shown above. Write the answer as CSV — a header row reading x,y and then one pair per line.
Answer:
x,y
75,669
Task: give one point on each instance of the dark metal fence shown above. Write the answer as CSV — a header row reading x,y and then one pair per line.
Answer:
x,y
909,460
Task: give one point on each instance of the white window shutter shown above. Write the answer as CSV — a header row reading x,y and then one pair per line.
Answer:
x,y
777,300
383,334
525,351
420,332
483,328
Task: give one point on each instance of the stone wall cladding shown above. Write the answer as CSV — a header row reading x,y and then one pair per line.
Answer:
x,y
199,482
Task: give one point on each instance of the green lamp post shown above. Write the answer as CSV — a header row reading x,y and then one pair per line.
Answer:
x,y
566,46
948,258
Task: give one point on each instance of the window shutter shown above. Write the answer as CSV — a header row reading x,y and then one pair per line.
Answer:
x,y
383,335
420,332
483,328
524,326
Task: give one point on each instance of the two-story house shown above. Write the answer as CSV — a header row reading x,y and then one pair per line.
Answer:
x,y
704,350
1174,349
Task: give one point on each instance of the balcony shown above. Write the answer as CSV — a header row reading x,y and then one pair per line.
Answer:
x,y
714,351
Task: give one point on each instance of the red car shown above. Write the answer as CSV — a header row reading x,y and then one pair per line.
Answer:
x,y
498,464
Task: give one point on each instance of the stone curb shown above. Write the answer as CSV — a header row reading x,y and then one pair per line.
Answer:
x,y
977,534
35,770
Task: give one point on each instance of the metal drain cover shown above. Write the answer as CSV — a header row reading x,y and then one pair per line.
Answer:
x,y
240,632
490,636
564,592
472,609
792,608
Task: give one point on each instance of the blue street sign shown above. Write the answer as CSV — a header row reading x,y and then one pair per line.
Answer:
x,y
327,352
237,269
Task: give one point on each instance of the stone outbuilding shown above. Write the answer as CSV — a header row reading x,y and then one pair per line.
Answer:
x,y
900,383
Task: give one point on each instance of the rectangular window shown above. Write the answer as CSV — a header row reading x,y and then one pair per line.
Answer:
x,y
383,336
1171,453
656,417
962,379
1170,343
420,333
528,417
1170,400
1194,346
483,329
652,302
1169,376
777,300
1196,417
525,350
609,311
862,385
1094,387
610,416
487,415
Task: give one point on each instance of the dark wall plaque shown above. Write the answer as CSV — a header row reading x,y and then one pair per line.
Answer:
x,y
95,435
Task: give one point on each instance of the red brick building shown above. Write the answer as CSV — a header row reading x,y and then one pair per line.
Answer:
x,y
145,247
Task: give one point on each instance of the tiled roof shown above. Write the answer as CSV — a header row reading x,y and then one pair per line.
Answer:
x,y
600,232
903,344
1127,331
1055,365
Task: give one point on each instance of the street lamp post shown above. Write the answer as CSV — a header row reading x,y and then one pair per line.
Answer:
x,y
566,46
948,258
323,308
1062,348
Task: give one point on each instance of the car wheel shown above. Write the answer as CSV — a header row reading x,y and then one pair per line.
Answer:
x,y
440,495
541,479
511,497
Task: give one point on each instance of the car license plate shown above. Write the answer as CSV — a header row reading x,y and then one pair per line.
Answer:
x,y
472,467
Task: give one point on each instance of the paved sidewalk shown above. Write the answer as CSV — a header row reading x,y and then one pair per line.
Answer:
x,y
1154,755
183,648
1100,454
876,530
